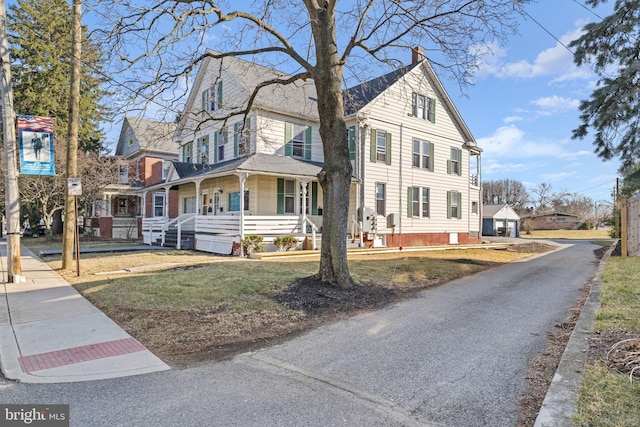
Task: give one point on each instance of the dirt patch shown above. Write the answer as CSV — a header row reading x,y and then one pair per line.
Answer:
x,y
531,247
317,298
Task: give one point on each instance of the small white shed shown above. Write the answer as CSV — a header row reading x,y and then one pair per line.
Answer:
x,y
500,220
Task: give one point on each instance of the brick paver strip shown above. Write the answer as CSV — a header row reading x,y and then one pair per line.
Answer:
x,y
69,356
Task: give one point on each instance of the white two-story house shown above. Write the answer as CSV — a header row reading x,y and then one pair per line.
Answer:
x,y
416,177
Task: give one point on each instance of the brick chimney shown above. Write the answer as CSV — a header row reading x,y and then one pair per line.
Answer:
x,y
417,55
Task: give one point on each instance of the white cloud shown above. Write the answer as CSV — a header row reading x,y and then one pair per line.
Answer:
x,y
551,105
557,176
510,142
513,119
554,61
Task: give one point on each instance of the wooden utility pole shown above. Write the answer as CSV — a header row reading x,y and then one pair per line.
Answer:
x,y
624,230
70,220
12,193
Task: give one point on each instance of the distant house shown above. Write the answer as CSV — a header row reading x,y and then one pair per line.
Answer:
x,y
144,154
416,166
500,220
554,221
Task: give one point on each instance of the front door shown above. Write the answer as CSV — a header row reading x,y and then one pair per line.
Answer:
x,y
206,202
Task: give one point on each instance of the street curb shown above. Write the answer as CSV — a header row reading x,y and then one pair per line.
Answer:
x,y
560,402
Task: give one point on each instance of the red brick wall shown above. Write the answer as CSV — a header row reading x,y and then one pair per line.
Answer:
x,y
174,207
106,227
150,170
427,239
541,223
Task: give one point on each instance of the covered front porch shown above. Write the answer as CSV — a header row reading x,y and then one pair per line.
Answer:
x,y
219,205
115,214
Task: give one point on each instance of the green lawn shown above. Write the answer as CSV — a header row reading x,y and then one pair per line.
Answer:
x,y
608,397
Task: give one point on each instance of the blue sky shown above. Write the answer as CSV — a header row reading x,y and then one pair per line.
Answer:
x,y
524,106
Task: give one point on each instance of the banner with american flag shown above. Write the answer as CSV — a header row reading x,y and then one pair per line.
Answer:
x,y
36,145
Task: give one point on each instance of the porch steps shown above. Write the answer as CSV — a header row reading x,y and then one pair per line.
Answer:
x,y
187,239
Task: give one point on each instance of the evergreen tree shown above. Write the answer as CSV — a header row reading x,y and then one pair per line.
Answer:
x,y
40,49
612,47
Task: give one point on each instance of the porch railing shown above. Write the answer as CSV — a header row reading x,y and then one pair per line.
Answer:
x,y
179,222
229,226
153,228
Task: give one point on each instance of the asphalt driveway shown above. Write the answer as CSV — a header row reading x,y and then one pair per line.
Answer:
x,y
456,355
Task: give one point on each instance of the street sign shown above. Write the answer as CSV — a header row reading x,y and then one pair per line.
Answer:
x,y
74,187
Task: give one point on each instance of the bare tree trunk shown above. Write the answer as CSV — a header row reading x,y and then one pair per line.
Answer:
x,y
72,142
335,176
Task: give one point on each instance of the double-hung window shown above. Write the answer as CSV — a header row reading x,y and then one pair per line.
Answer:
x,y
454,204
453,165
422,154
297,141
158,204
220,139
212,98
187,152
418,202
381,198
423,107
380,146
203,148
286,196
123,173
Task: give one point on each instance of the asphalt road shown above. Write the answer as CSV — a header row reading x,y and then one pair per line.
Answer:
x,y
457,355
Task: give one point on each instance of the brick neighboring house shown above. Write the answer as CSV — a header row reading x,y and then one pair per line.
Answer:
x,y
554,221
144,154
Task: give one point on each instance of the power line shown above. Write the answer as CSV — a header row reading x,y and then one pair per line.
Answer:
x,y
588,9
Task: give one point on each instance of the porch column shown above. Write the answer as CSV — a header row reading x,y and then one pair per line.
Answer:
x,y
109,207
166,201
303,207
243,177
143,208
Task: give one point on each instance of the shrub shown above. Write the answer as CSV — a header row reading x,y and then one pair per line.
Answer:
x,y
252,243
527,225
587,225
285,243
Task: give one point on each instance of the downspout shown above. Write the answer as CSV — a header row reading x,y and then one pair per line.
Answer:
x,y
400,192
480,198
242,176
303,209
363,143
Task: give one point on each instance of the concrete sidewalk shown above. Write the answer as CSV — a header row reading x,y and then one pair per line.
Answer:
x,y
49,333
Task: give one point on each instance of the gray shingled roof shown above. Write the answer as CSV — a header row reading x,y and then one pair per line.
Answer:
x,y
298,98
152,134
258,163
490,210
